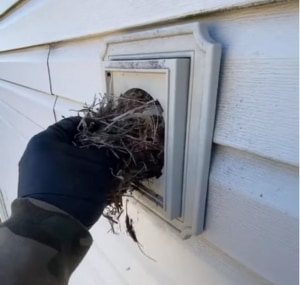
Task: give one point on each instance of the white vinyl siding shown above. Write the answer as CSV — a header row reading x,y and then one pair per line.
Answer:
x,y
251,229
5,5
93,18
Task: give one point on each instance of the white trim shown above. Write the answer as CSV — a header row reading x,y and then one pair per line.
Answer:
x,y
191,41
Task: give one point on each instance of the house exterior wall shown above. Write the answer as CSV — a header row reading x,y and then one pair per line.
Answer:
x,y
50,63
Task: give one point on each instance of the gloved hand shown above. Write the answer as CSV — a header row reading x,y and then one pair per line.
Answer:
x,y
76,180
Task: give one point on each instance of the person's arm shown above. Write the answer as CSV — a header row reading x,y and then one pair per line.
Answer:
x,y
39,244
62,192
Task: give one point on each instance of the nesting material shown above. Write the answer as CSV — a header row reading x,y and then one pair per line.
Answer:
x,y
131,128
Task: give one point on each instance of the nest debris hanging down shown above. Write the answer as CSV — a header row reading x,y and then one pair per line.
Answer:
x,y
131,127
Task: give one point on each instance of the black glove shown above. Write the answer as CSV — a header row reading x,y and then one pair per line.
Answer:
x,y
76,180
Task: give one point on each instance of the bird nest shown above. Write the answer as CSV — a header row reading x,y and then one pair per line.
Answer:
x,y
131,127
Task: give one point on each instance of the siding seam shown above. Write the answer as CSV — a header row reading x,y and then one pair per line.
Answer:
x,y
48,68
50,84
54,105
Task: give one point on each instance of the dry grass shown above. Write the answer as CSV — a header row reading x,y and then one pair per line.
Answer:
x,y
131,127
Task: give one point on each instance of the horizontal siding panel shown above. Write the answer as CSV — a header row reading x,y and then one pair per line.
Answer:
x,y
198,261
23,127
33,105
92,17
250,33
5,5
258,92
252,213
258,108
97,268
75,70
15,133
66,108
11,148
26,67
